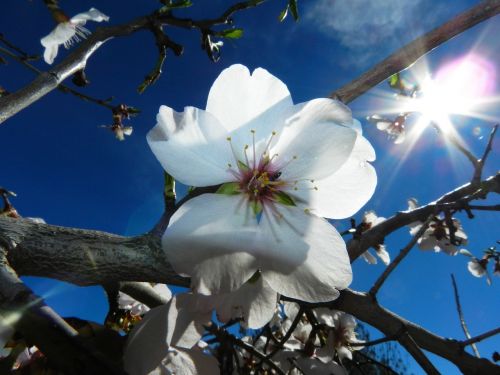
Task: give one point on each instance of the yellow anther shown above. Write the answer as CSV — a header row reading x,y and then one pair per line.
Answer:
x,y
252,131
274,133
315,188
307,211
229,165
246,147
295,156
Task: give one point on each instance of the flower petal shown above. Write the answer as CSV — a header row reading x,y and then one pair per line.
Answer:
x,y
343,193
50,53
210,238
192,139
255,302
237,97
91,15
147,345
316,141
302,256
189,362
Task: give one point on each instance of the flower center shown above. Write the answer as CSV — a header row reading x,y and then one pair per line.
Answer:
x,y
261,183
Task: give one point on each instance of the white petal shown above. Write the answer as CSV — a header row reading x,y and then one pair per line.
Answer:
x,y
312,366
92,15
400,138
237,97
185,320
147,345
302,256
316,141
342,194
163,291
6,332
255,302
326,316
50,53
210,238
62,33
189,362
383,254
191,146
427,242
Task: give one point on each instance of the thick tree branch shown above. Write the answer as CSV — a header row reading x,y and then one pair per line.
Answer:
x,y
407,55
363,307
84,257
41,326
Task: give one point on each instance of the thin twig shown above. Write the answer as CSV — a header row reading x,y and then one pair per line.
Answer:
x,y
402,254
407,55
461,316
481,337
479,168
288,334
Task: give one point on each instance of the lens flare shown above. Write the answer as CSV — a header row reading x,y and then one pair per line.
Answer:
x,y
458,88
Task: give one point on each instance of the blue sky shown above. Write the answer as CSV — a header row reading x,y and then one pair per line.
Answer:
x,y
69,171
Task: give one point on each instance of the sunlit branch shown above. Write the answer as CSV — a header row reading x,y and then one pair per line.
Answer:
x,y
77,60
407,55
467,192
461,316
61,87
481,337
402,254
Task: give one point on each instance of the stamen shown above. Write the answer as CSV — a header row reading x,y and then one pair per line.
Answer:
x,y
233,152
246,156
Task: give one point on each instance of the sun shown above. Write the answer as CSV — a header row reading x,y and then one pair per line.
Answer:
x,y
460,87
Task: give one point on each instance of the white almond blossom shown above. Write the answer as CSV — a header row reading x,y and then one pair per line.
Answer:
x,y
340,336
165,341
283,167
437,235
125,302
395,129
370,220
69,32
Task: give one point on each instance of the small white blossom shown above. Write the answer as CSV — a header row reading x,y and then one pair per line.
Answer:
x,y
283,167
69,32
340,337
478,268
370,220
395,129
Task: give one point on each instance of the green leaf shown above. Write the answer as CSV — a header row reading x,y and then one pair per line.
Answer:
x,y
242,166
169,188
175,5
283,14
294,9
229,188
231,33
394,80
283,198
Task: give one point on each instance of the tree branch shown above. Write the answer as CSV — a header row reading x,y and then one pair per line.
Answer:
x,y
402,254
455,198
363,307
41,326
461,316
48,81
407,55
473,340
